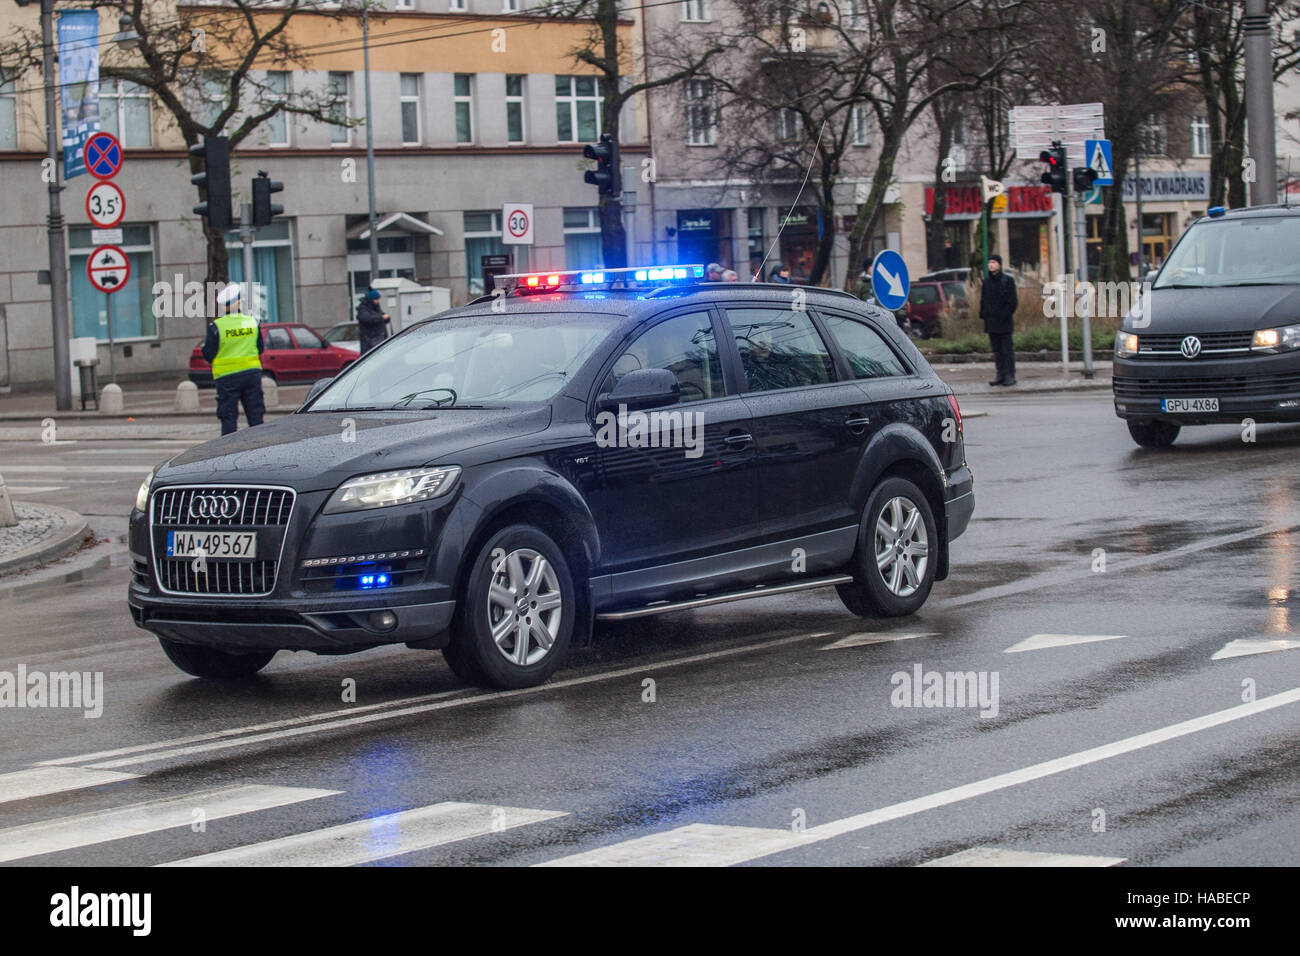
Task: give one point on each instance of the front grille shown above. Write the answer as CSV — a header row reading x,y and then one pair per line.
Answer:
x,y
264,510
1207,387
1210,341
177,507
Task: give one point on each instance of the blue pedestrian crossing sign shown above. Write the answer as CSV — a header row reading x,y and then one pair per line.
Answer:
x,y
1097,154
889,280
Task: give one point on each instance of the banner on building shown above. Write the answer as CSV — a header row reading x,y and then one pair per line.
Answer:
x,y
78,84
1158,186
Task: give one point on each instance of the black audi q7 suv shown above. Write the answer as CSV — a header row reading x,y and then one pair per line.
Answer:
x,y
1217,336
590,446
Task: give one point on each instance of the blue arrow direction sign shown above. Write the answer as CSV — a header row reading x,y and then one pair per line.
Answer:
x,y
889,279
1096,153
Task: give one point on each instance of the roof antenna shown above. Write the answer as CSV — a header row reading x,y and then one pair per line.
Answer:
x,y
758,276
1286,190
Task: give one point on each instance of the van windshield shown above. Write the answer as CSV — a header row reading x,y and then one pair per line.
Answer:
x,y
1261,250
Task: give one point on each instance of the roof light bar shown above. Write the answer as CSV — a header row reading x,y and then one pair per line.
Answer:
x,y
655,276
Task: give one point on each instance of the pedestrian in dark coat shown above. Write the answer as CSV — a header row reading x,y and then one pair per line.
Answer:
x,y
373,321
998,310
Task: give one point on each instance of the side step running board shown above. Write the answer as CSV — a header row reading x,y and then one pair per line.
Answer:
x,y
760,591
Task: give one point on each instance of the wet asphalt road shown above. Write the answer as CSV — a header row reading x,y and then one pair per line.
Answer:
x,y
772,737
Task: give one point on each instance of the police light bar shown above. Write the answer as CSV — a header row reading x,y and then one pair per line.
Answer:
x,y
524,283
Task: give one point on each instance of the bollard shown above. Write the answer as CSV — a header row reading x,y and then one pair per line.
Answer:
x,y
270,393
187,397
110,399
7,517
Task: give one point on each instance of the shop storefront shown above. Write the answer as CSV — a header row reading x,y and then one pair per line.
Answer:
x,y
704,236
1019,224
800,231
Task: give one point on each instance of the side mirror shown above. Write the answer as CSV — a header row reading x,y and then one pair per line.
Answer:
x,y
324,344
643,388
317,387
1151,275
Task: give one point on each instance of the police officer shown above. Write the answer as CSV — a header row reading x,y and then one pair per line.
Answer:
x,y
233,346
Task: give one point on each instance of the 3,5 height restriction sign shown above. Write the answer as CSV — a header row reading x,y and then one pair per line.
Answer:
x,y
105,205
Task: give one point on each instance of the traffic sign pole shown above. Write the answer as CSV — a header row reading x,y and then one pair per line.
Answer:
x,y
112,365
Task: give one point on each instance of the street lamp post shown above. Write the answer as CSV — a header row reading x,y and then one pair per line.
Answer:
x,y
57,237
1259,102
370,141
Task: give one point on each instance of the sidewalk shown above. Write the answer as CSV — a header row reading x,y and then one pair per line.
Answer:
x,y
141,400
972,378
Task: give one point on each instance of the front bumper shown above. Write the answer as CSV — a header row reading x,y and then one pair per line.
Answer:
x,y
303,610
1265,388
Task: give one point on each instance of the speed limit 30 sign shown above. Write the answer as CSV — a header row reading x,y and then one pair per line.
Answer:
x,y
517,224
105,205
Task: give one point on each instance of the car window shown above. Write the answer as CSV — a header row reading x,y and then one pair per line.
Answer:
x,y
779,348
684,345
343,333
868,354
956,291
276,339
923,294
306,338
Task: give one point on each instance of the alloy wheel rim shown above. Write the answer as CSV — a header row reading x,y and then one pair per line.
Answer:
x,y
524,606
901,545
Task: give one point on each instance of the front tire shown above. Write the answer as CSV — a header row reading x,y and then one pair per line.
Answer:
x,y
516,615
1154,434
212,664
896,560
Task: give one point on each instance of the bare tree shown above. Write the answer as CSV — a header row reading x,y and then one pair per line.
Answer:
x,y
197,62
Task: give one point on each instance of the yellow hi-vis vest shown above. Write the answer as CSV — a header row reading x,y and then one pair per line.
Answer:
x,y
237,345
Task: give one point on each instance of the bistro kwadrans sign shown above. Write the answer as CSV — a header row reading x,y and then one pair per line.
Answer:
x,y
963,202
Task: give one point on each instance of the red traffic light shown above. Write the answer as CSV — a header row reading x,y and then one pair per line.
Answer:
x,y
1049,157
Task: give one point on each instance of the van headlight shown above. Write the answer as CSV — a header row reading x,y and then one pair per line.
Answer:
x,y
1284,339
142,496
392,488
1126,344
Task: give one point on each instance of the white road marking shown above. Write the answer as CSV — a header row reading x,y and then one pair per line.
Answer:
x,y
690,844
42,781
1241,648
1039,642
101,826
34,489
377,838
237,737
992,856
700,844
872,637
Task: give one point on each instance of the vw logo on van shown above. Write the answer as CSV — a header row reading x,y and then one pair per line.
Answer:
x,y
1190,347
214,506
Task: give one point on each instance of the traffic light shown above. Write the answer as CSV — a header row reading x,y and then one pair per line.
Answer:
x,y
1055,175
1083,178
214,181
263,209
605,175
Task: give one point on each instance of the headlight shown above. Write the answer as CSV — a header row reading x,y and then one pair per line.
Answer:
x,y
1277,340
142,496
392,488
1126,344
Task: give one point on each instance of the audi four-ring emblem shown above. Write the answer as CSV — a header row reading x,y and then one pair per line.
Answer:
x,y
214,506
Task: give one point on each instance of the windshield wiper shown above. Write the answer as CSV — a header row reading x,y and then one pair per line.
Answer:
x,y
407,399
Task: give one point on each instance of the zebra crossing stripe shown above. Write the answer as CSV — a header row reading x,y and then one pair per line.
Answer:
x,y
43,781
992,856
101,826
377,838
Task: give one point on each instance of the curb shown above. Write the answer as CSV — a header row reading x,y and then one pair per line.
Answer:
x,y
36,417
58,545
17,591
962,358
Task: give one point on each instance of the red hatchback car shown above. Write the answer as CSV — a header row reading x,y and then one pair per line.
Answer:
x,y
292,352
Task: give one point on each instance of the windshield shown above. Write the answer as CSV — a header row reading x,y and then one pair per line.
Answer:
x,y
478,361
1226,252
343,333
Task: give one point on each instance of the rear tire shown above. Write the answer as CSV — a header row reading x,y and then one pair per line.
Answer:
x,y
896,557
1154,434
212,664
516,614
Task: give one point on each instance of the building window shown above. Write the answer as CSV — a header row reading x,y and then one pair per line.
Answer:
x,y
340,88
405,4
277,91
8,114
272,272
1152,136
786,125
509,6
853,15
701,117
456,5
582,245
464,102
133,316
1200,136
861,136
483,238
515,108
695,11
124,112
579,101
212,98
410,109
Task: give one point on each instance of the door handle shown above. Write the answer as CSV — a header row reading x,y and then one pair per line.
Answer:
x,y
857,422
739,438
